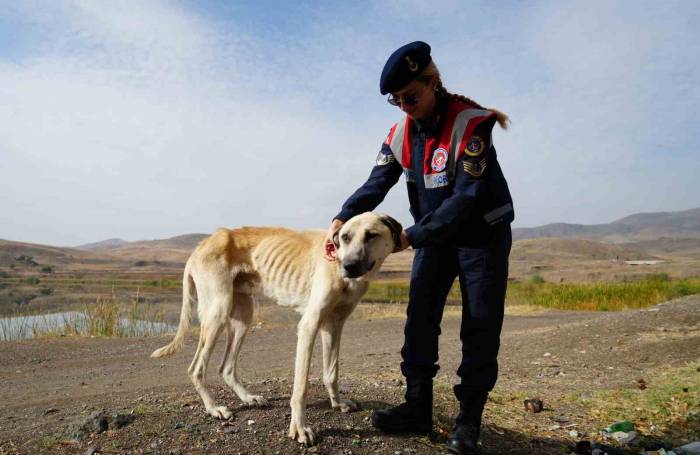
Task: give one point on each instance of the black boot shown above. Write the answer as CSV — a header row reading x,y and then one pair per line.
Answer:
x,y
463,438
413,416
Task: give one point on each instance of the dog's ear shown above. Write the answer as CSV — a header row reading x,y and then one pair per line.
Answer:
x,y
394,227
336,240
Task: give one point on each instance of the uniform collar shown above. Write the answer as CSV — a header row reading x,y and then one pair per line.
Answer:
x,y
431,125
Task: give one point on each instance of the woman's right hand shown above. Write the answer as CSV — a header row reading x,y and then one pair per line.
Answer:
x,y
330,253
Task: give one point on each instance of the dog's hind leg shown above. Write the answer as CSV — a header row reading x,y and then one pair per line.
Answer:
x,y
330,341
241,318
214,308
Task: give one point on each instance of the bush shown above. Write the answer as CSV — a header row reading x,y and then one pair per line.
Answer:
x,y
536,279
47,269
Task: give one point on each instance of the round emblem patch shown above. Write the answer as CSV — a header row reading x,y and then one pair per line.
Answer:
x,y
439,161
475,146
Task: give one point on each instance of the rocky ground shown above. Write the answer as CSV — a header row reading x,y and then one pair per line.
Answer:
x,y
56,393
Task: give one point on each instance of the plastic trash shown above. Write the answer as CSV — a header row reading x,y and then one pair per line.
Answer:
x,y
688,449
624,425
624,437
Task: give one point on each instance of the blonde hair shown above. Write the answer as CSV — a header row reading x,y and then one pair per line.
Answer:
x,y
431,72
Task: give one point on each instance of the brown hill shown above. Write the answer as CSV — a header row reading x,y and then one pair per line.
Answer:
x,y
639,227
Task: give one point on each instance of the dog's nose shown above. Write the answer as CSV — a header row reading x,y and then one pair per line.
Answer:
x,y
353,269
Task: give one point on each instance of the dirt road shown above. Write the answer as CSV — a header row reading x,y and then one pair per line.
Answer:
x,y
49,386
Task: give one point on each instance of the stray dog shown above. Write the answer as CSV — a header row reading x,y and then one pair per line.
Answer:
x,y
288,266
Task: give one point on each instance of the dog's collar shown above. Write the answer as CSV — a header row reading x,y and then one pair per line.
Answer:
x,y
395,233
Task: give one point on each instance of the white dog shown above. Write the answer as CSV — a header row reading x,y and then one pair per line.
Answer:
x,y
290,267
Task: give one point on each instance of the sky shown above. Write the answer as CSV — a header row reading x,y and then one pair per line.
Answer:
x,y
145,120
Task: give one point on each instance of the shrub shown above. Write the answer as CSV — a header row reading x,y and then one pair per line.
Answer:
x,y
536,279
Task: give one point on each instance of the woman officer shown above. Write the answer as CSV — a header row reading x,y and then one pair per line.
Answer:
x,y
462,209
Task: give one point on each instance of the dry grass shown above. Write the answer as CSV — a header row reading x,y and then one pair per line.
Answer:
x,y
668,407
604,296
107,317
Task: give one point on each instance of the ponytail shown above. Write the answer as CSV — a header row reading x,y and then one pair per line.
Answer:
x,y
431,72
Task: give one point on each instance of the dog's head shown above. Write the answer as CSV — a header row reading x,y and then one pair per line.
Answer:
x,y
363,243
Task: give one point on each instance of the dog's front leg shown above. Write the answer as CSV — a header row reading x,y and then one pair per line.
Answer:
x,y
306,334
330,339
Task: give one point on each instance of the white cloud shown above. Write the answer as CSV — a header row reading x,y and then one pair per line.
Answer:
x,y
148,119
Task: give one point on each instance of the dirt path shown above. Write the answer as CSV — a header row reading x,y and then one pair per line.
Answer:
x,y
48,385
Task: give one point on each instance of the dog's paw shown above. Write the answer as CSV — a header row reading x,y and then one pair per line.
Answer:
x,y
345,405
258,400
301,433
220,412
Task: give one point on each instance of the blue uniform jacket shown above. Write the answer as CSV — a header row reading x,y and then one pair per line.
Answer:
x,y
465,207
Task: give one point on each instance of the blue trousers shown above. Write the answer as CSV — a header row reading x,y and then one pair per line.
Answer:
x,y
483,276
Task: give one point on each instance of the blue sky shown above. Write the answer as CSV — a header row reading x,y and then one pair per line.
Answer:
x,y
151,119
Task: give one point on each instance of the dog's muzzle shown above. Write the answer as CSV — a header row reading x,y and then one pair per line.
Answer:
x,y
356,269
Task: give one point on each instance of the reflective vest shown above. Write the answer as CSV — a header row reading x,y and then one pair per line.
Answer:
x,y
443,152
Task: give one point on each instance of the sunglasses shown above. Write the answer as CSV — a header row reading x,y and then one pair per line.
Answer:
x,y
406,100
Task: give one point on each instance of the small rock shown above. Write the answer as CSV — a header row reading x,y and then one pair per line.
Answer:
x,y
573,433
554,427
583,448
229,430
97,422
546,354
179,425
533,405
250,422
91,451
50,411
122,420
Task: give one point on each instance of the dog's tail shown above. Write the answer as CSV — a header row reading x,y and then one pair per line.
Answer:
x,y
188,288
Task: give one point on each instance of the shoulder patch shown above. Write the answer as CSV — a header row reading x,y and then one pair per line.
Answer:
x,y
475,146
475,168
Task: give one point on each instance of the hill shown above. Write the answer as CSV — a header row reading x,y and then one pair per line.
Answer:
x,y
633,228
103,245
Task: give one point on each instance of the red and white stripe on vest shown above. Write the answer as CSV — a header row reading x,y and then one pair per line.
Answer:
x,y
441,152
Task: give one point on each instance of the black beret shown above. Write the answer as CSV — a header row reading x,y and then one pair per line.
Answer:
x,y
403,66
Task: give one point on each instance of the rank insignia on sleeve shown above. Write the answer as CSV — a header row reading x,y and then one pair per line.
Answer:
x,y
475,168
383,159
475,146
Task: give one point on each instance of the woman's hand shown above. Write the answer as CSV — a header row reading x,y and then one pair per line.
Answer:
x,y
330,253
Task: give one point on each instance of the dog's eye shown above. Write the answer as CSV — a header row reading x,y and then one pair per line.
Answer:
x,y
345,237
370,235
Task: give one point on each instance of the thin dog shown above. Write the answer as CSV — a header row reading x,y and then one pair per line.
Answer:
x,y
288,266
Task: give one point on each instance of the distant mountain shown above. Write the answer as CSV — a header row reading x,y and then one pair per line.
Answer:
x,y
103,245
634,228
184,242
